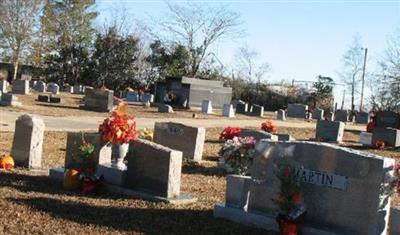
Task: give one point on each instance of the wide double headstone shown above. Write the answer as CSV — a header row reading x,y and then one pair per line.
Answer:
x,y
40,86
342,188
297,110
318,114
281,115
20,87
99,100
241,107
388,119
132,96
327,131
53,88
188,139
3,86
73,157
154,169
27,145
342,115
228,111
362,117
206,107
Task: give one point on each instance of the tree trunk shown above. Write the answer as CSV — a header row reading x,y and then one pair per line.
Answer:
x,y
16,65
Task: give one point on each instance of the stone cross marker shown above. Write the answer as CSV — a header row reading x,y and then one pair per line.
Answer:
x,y
28,141
20,87
328,131
297,110
388,119
154,168
206,107
189,140
228,111
341,187
99,100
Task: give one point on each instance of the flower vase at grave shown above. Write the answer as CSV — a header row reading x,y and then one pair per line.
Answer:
x,y
122,151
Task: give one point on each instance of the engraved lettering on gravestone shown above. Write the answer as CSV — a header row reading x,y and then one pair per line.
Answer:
x,y
173,130
321,178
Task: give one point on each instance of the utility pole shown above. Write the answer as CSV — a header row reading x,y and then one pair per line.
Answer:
x,y
344,95
362,79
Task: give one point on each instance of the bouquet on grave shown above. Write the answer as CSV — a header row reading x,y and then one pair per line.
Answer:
x,y
237,154
229,132
395,181
289,200
269,127
119,128
146,134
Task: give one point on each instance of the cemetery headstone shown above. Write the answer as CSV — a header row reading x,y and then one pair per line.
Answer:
x,y
341,188
27,145
388,119
342,115
77,89
257,110
189,140
43,98
147,98
297,110
285,137
365,138
102,151
228,111
8,99
258,134
20,87
241,107
55,99
328,131
391,136
99,100
3,86
362,117
318,114
329,116
53,88
206,107
281,115
26,77
132,96
165,108
154,168
40,86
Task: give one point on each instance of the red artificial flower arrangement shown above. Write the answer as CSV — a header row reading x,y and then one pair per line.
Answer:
x,y
119,128
395,184
379,144
269,126
229,132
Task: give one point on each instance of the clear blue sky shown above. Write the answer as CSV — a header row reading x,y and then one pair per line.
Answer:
x,y
300,39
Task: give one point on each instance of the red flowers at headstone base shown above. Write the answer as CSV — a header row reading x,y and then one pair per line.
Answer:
x,y
229,132
269,126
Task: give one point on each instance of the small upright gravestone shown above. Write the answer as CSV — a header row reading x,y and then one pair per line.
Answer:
x,y
43,98
132,96
165,108
99,100
342,115
281,115
53,88
20,87
228,111
154,168
147,98
27,145
329,116
8,99
342,188
206,107
297,110
328,131
362,117
241,107
258,134
390,136
3,86
189,140
257,110
318,114
40,86
388,119
77,89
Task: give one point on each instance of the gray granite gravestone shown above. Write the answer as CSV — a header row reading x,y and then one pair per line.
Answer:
x,y
206,107
40,86
329,116
388,119
27,145
318,114
391,136
297,110
189,140
154,168
342,115
77,89
257,134
20,87
257,110
102,152
362,117
53,88
99,100
228,111
8,99
147,98
328,131
241,107
281,115
165,108
132,96
341,188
